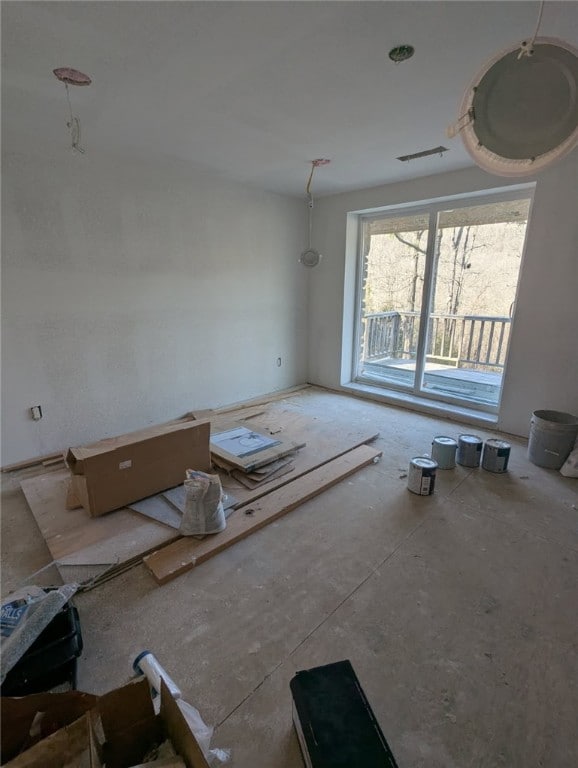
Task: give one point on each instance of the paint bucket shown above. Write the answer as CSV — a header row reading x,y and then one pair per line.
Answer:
x,y
421,477
552,437
496,455
469,450
443,450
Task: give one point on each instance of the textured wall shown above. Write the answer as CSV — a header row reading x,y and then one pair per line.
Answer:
x,y
543,359
135,291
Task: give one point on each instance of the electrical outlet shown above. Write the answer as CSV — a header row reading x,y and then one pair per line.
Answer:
x,y
36,412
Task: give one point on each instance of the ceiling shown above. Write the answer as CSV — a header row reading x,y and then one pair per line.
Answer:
x,y
256,90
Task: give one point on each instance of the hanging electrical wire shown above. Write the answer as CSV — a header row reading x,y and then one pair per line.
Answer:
x,y
311,257
518,115
527,47
70,76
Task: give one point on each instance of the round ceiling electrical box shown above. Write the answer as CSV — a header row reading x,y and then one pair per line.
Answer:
x,y
401,53
523,110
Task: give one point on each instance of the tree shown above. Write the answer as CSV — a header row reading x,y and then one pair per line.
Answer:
x,y
416,277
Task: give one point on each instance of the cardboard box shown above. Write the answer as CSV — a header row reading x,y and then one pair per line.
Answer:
x,y
112,473
118,729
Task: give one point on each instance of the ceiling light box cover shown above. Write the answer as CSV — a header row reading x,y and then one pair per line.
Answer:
x,y
520,114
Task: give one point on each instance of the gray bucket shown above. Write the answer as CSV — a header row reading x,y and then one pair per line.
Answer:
x,y
552,437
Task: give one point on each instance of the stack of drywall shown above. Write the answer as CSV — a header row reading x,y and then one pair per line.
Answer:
x,y
252,455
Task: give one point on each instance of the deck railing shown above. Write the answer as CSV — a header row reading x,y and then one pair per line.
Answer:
x,y
463,341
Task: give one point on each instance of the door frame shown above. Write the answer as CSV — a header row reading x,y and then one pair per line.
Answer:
x,y
433,208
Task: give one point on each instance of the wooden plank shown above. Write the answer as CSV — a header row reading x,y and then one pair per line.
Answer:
x,y
71,501
51,462
265,399
31,462
74,538
320,451
185,554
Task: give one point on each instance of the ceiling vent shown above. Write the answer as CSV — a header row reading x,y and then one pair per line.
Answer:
x,y
424,153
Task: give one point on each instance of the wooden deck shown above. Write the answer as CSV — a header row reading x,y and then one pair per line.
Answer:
x,y
465,383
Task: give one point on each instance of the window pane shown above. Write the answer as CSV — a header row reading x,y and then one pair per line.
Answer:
x,y
478,255
394,253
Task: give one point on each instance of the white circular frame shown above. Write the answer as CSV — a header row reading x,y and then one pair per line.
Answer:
x,y
503,166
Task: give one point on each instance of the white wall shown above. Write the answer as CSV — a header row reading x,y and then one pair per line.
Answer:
x,y
136,291
543,361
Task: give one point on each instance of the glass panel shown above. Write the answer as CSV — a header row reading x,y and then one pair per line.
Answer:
x,y
478,255
394,253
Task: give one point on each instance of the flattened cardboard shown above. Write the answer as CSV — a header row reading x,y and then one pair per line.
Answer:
x,y
73,745
112,473
18,714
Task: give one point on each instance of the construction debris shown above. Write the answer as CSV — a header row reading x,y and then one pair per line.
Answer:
x,y
93,550
185,554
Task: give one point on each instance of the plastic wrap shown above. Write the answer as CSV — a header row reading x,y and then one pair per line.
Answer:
x,y
146,663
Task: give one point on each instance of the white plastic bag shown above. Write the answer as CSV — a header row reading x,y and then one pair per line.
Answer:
x,y
203,734
203,511
146,663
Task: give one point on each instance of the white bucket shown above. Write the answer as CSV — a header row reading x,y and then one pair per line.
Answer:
x,y
552,437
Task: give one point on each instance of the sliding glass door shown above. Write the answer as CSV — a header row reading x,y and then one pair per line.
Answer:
x,y
436,297
394,259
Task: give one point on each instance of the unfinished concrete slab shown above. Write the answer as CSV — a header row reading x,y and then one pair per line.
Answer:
x,y
458,611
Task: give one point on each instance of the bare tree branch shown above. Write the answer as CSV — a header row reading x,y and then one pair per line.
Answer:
x,y
411,245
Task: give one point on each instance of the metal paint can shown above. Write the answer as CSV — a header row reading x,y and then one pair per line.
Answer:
x,y
443,450
469,450
421,477
496,455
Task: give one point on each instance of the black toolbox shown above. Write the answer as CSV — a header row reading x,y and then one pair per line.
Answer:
x,y
335,725
50,660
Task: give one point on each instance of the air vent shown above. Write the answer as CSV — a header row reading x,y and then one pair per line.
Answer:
x,y
424,153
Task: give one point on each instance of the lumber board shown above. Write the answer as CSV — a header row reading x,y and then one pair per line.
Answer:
x,y
75,538
265,399
32,462
324,440
183,555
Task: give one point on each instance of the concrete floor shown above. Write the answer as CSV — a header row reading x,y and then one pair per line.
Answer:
x,y
458,611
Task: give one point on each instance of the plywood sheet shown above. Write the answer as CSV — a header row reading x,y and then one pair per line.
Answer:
x,y
74,538
183,555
